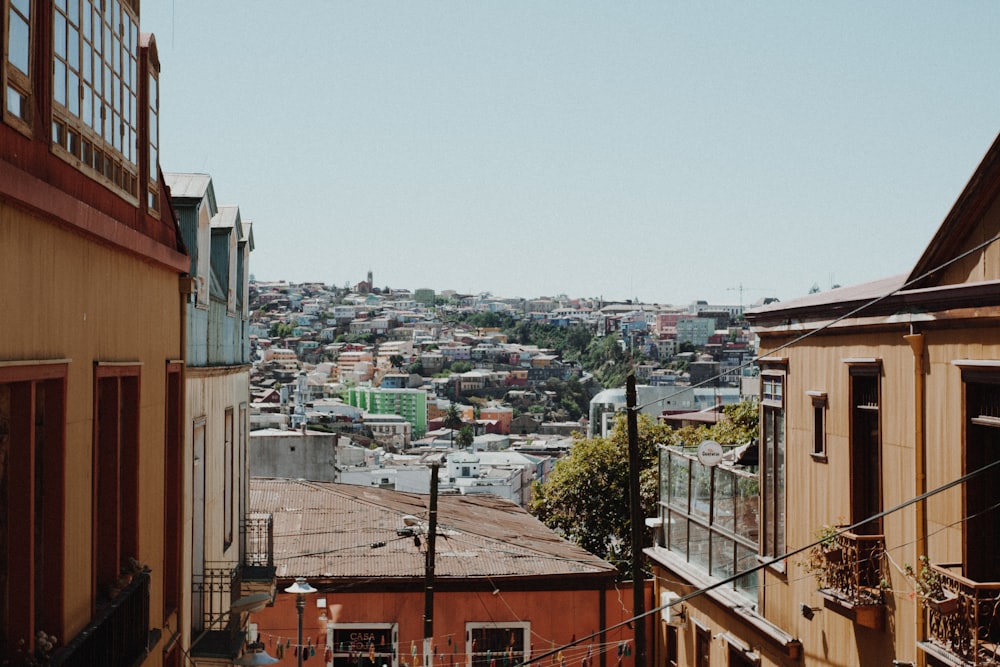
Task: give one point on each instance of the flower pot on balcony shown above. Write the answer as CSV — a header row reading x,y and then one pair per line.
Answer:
x,y
946,606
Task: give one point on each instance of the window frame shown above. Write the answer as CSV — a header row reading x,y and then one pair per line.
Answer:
x,y
12,78
471,626
773,465
105,148
35,570
115,480
820,406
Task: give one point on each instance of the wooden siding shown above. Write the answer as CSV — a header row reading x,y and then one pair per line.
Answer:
x,y
66,297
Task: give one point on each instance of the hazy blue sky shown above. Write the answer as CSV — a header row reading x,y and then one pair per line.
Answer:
x,y
666,151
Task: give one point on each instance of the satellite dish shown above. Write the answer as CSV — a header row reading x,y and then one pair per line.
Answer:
x,y
411,520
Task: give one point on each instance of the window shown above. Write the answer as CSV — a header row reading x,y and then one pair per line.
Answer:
x,y
772,462
173,494
819,425
17,84
507,643
671,644
153,184
362,644
866,439
116,471
32,471
702,646
710,516
227,501
981,495
94,89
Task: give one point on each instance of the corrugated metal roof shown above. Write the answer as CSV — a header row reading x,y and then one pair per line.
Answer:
x,y
184,186
326,530
227,217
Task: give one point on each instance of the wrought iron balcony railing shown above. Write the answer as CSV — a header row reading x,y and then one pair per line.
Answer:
x,y
967,624
850,573
118,634
854,574
216,632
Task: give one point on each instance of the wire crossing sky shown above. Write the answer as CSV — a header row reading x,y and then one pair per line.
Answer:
x,y
660,151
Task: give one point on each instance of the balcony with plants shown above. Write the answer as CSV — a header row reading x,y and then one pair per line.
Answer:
x,y
119,633
963,616
850,575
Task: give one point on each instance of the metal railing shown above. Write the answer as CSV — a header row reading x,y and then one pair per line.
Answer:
x,y
118,634
258,540
967,625
856,572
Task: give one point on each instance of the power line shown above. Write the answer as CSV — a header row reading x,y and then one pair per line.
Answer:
x,y
788,554
824,327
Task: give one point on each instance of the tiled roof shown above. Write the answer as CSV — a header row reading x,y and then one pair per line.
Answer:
x,y
326,530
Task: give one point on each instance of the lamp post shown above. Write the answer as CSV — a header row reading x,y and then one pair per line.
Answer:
x,y
301,588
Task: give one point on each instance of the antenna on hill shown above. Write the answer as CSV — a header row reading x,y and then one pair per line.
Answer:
x,y
742,289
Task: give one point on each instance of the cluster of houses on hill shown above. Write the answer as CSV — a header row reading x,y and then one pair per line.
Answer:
x,y
376,413
172,472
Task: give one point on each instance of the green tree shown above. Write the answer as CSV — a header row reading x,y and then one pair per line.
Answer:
x,y
461,367
453,418
586,497
396,361
465,436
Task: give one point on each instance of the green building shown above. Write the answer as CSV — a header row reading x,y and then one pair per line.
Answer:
x,y
411,404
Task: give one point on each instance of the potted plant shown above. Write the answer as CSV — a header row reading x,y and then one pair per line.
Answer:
x,y
824,558
827,536
930,586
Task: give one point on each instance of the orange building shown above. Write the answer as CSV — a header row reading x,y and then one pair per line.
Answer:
x,y
91,355
505,588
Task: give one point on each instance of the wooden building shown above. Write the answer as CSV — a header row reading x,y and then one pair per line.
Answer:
x,y
91,349
225,554
124,366
880,419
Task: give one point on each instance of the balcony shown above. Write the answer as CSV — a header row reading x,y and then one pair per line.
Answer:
x,y
968,630
119,633
216,634
850,579
257,571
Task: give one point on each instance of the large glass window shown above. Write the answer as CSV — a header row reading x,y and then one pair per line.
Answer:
x,y
710,516
772,455
17,22
94,88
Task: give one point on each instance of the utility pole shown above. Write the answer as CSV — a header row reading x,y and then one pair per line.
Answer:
x,y
429,571
637,521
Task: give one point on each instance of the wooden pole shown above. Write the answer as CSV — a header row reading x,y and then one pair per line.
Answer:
x,y
638,523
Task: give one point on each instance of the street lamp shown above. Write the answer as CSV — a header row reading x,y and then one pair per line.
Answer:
x,y
301,588
255,655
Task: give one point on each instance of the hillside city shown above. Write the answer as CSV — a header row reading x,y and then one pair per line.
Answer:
x,y
405,374
202,469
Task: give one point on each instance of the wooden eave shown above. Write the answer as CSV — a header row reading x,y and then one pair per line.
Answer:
x,y
945,303
977,196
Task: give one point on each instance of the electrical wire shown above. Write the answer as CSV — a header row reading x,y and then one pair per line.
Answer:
x,y
824,327
788,554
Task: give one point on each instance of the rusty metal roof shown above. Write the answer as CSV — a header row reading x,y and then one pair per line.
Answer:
x,y
326,530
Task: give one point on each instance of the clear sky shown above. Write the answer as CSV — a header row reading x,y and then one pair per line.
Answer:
x,y
665,151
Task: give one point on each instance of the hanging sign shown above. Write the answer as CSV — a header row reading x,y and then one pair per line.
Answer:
x,y
709,453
